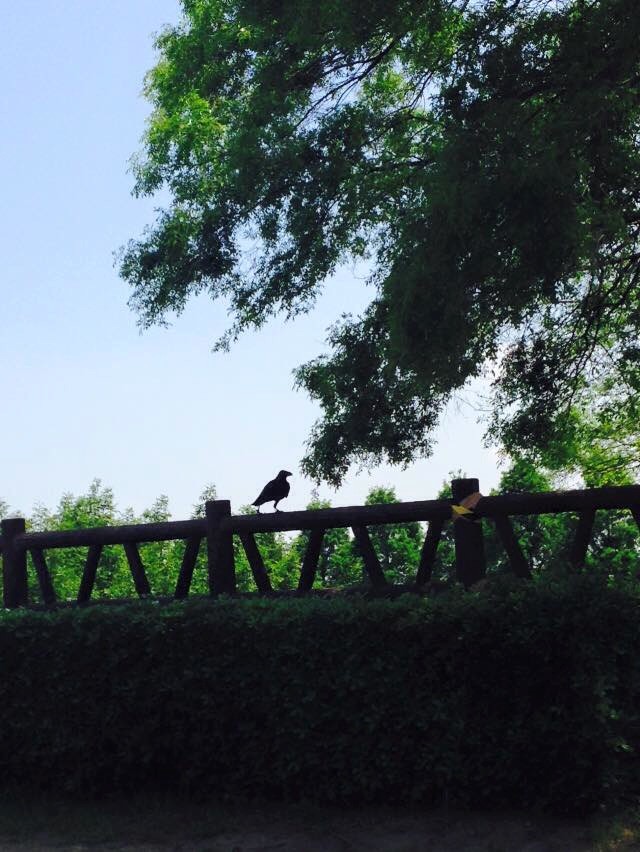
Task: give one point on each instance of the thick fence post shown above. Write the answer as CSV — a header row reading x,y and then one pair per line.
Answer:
x,y
14,563
220,562
471,564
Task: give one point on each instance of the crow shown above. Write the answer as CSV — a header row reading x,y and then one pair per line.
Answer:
x,y
275,490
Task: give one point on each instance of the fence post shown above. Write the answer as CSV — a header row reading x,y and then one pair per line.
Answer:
x,y
471,564
220,562
14,563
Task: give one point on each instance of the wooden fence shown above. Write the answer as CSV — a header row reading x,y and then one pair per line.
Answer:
x,y
219,526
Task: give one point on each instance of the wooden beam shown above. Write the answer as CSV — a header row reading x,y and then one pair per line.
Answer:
x,y
517,560
89,573
134,533
44,577
551,502
310,561
635,511
185,575
137,569
610,497
428,553
256,563
579,547
370,558
343,516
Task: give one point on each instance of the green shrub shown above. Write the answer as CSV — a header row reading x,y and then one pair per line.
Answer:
x,y
520,694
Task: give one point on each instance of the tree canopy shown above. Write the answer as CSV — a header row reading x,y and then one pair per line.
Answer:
x,y
482,156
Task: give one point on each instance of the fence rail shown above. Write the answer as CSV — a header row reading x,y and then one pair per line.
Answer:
x,y
218,528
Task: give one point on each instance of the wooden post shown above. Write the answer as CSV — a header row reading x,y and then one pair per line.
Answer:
x,y
14,563
220,562
257,563
471,564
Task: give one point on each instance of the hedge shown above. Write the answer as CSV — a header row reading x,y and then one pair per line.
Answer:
x,y
521,694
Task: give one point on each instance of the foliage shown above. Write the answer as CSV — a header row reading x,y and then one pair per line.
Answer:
x,y
483,157
524,694
279,559
338,564
160,558
4,509
598,442
96,508
397,545
544,539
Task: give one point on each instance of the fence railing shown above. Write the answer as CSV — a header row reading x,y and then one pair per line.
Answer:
x,y
218,527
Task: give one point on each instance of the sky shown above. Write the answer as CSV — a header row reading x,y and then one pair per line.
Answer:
x,y
83,393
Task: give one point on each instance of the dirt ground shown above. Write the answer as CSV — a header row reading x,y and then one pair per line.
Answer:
x,y
141,827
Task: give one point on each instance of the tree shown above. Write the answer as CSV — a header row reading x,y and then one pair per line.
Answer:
x,y
599,442
544,539
161,559
481,155
338,564
397,545
96,508
4,509
279,560
200,577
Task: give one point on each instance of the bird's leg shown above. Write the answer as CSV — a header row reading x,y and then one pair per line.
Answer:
x,y
275,505
258,509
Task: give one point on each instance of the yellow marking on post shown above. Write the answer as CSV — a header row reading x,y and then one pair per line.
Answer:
x,y
459,511
465,508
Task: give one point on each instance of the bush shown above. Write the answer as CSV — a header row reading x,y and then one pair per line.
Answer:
x,y
520,694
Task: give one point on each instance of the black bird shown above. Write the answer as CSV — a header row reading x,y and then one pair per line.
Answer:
x,y
275,490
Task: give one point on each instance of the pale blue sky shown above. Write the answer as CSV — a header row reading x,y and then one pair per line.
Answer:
x,y
85,395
